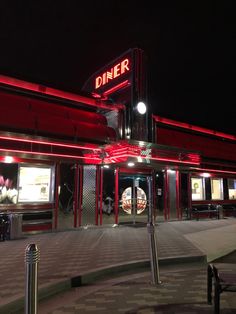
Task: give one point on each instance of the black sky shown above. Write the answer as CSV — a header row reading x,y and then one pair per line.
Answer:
x,y
190,48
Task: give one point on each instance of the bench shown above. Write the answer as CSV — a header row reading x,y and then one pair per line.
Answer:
x,y
204,211
229,210
223,281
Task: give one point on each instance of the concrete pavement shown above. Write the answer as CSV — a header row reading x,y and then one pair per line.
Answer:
x,y
107,259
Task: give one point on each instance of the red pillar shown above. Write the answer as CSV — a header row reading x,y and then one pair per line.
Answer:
x,y
76,194
189,191
154,195
57,183
101,194
80,200
166,196
177,186
116,195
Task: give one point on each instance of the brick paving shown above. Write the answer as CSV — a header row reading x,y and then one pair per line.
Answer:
x,y
181,290
68,254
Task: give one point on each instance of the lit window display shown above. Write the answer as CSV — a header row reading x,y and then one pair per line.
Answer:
x,y
197,185
232,189
8,183
35,184
216,189
127,200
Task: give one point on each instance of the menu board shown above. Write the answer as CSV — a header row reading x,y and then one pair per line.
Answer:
x,y
34,184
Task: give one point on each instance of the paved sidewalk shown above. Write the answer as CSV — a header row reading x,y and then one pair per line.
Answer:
x,y
75,254
182,291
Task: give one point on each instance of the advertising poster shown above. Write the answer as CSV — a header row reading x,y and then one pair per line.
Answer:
x,y
34,184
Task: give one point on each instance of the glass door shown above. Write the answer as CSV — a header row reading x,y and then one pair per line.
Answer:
x,y
133,199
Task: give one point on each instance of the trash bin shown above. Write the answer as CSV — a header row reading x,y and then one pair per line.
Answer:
x,y
15,226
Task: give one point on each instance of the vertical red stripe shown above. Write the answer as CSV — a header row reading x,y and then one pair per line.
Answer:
x,y
57,183
76,192
97,194
166,198
116,194
101,193
177,194
154,200
80,195
189,191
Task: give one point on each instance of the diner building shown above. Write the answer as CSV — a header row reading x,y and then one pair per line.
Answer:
x,y
101,157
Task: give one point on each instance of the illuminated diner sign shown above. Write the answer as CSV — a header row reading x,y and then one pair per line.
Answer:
x,y
118,70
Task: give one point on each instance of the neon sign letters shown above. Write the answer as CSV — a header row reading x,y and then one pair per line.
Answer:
x,y
116,71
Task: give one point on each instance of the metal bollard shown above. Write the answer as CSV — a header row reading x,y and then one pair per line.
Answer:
x,y
31,286
153,254
152,241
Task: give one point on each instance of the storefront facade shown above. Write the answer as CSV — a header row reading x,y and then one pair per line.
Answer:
x,y
69,160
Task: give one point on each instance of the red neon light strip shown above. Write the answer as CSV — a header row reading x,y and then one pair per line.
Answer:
x,y
153,158
47,154
117,87
177,161
194,128
57,93
118,156
18,139
215,170
119,150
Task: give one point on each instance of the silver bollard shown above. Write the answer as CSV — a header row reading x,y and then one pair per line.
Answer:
x,y
31,286
153,254
152,239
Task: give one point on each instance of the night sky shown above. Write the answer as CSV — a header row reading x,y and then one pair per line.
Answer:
x,y
190,49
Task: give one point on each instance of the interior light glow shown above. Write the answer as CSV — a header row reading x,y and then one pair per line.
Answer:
x,y
8,159
141,107
206,175
106,166
130,164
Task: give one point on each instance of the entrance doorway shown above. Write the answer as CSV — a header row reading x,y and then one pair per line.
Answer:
x,y
133,199
66,196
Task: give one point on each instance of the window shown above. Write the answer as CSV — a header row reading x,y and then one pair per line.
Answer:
x,y
8,183
198,192
35,184
232,189
216,189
